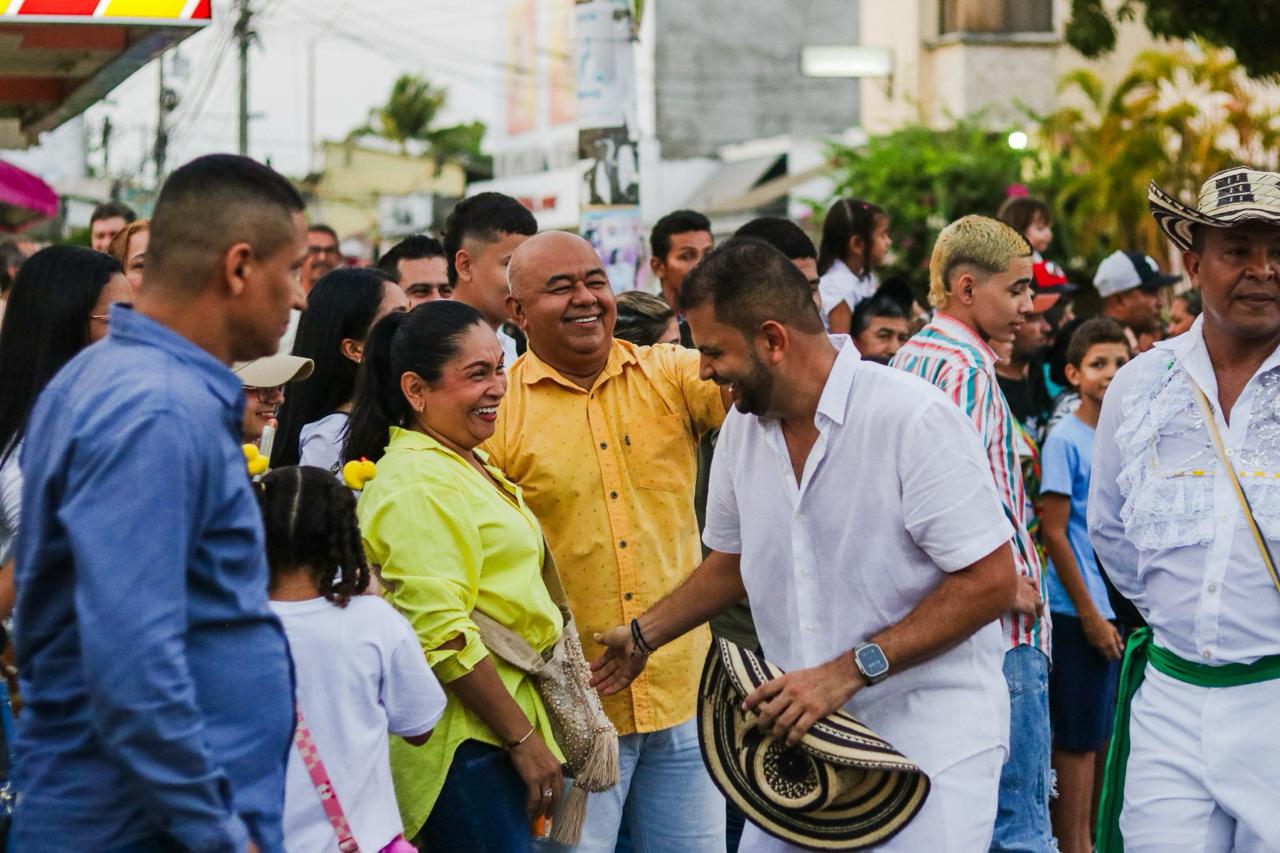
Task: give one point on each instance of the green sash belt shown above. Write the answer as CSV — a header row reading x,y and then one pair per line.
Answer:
x,y
1141,651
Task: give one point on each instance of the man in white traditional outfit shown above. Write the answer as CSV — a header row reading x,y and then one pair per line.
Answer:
x,y
853,504
1184,512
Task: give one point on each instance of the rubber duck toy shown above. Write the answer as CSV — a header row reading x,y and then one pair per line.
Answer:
x,y
357,472
256,461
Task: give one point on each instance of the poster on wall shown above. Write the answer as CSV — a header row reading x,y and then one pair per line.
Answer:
x,y
562,101
608,138
613,172
617,235
522,66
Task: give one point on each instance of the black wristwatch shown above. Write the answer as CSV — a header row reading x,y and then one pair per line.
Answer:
x,y
871,662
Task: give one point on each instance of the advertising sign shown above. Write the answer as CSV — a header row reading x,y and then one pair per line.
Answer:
x,y
184,13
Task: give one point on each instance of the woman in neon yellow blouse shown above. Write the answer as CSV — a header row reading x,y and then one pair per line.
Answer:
x,y
453,535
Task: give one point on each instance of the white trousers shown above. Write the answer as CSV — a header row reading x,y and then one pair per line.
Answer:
x,y
1204,768
958,817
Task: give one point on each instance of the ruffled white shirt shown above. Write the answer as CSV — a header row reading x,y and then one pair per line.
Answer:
x,y
1163,515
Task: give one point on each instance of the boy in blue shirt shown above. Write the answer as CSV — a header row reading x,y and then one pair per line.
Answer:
x,y
1086,645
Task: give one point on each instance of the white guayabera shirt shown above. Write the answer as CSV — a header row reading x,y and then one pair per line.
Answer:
x,y
896,493
1163,515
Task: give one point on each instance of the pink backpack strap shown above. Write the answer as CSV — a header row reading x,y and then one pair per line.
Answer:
x,y
320,778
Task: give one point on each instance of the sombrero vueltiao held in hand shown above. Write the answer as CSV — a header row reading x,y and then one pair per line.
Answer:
x,y
842,787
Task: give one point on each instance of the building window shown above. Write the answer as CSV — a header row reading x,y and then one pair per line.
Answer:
x,y
995,16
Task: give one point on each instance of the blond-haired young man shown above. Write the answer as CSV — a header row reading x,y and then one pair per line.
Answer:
x,y
980,284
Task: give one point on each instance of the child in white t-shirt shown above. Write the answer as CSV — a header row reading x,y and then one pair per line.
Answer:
x,y
359,666
855,242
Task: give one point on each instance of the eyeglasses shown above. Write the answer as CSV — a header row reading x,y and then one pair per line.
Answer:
x,y
266,395
323,250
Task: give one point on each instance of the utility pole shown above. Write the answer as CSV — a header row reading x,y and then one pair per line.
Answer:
x,y
162,132
106,146
609,136
311,104
244,35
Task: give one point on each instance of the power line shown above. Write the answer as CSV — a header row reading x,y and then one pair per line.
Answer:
x,y
382,34
215,51
391,34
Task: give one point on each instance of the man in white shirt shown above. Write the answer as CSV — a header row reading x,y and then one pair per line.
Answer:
x,y
480,236
1172,533
909,570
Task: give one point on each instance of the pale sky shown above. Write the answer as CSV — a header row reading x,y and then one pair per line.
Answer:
x,y
361,47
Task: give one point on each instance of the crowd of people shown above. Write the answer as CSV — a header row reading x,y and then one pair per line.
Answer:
x,y
431,554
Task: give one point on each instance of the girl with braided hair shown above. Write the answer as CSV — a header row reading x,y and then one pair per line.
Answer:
x,y
359,667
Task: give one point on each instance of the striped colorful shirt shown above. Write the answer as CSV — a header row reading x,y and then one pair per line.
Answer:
x,y
953,357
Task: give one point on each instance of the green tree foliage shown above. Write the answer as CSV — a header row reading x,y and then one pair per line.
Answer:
x,y
410,115
1247,28
1175,118
925,178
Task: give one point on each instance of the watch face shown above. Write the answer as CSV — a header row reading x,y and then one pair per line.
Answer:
x,y
872,661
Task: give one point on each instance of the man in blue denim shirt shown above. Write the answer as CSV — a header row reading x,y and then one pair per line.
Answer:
x,y
156,681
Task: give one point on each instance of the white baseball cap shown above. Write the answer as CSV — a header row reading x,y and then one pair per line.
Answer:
x,y
1121,271
272,371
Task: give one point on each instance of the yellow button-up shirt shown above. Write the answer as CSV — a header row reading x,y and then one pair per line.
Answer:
x,y
449,543
610,474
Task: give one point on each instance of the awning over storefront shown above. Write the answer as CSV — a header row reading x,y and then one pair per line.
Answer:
x,y
58,57
24,198
734,179
765,193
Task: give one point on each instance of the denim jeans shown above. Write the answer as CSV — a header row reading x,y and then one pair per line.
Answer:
x,y
735,821
664,797
1022,818
481,808
155,844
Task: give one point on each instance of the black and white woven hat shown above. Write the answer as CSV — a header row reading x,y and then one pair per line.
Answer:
x,y
841,788
1234,195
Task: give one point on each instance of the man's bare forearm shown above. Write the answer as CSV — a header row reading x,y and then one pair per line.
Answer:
x,y
713,587
958,607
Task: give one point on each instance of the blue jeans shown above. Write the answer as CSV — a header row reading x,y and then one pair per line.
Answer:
x,y
154,844
1022,817
481,808
735,822
664,797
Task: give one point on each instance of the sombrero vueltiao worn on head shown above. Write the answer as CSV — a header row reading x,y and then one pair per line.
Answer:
x,y
1232,196
841,788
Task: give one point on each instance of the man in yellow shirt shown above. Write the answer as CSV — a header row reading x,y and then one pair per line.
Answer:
x,y
602,436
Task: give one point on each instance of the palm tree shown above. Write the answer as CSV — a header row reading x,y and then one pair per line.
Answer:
x,y
410,114
1176,118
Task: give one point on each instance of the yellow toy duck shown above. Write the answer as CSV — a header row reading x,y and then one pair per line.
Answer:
x,y
256,461
357,472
